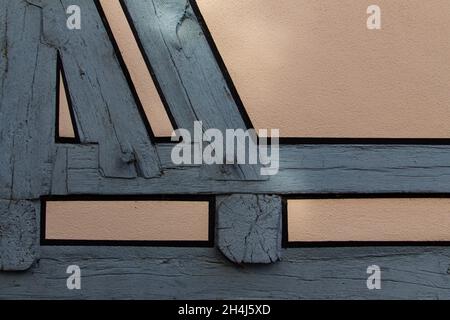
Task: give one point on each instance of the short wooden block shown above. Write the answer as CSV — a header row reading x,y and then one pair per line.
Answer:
x,y
18,234
249,228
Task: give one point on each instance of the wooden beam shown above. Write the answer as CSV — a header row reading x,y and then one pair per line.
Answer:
x,y
203,273
18,234
187,71
303,169
27,107
104,101
249,228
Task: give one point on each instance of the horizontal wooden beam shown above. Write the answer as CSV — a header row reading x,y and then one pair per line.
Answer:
x,y
203,273
303,169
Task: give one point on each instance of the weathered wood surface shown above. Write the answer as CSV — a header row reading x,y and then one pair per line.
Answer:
x,y
249,228
184,65
187,71
105,109
18,234
118,157
196,273
27,103
303,169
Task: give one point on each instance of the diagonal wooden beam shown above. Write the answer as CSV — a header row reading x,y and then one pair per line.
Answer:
x,y
188,72
105,104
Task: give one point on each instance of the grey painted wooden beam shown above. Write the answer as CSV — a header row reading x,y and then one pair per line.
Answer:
x,y
27,110
184,64
203,273
27,103
105,109
188,73
18,234
249,228
303,169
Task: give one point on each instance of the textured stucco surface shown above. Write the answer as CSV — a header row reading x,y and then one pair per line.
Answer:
x,y
139,72
369,220
142,80
66,128
127,220
313,69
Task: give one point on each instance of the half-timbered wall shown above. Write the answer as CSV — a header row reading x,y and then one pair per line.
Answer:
x,y
113,152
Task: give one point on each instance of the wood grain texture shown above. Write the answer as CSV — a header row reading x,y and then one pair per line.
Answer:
x,y
27,100
303,169
188,73
249,228
118,157
18,234
27,103
199,273
106,111
186,68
